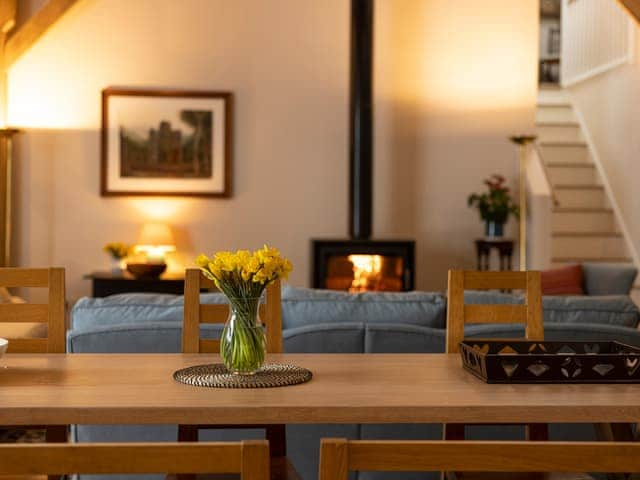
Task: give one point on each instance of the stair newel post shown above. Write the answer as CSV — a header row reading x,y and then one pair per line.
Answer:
x,y
523,142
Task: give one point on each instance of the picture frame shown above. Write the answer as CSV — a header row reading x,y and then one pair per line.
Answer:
x,y
166,142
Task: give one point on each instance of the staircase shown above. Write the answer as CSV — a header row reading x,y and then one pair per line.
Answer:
x,y
584,227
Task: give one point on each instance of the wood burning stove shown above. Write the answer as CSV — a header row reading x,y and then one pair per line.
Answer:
x,y
363,265
360,264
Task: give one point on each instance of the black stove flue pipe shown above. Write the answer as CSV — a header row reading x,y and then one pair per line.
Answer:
x,y
361,120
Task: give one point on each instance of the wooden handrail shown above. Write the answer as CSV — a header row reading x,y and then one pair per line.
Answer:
x,y
631,6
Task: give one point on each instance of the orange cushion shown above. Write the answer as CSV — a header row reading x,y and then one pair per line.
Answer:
x,y
562,281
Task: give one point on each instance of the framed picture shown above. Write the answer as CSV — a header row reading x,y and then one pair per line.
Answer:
x,y
166,142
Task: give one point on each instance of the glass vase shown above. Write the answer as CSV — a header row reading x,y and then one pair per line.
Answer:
x,y
117,267
243,343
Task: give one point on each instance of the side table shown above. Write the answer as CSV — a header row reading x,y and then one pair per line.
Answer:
x,y
505,252
106,283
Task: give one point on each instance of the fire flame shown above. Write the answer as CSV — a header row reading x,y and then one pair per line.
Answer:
x,y
366,272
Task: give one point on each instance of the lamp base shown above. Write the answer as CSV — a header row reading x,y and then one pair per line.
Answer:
x,y
146,270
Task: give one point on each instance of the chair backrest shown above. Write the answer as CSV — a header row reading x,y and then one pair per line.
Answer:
x,y
458,314
20,315
196,313
340,456
250,458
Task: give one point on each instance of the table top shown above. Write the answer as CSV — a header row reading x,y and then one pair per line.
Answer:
x,y
346,388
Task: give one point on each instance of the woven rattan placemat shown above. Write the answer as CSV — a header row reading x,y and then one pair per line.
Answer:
x,y
216,375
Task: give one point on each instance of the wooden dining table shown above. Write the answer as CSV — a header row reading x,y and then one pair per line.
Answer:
x,y
61,389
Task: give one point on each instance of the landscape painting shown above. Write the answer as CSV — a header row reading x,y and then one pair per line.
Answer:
x,y
177,151
166,142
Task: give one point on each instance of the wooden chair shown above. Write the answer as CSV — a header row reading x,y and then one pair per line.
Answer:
x,y
196,314
250,459
36,327
339,456
459,314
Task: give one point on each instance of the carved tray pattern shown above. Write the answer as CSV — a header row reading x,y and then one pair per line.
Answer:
x,y
521,361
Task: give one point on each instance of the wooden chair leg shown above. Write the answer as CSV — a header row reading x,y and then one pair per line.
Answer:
x,y
187,433
452,431
537,432
276,435
56,434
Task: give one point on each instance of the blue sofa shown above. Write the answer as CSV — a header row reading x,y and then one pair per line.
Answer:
x,y
334,322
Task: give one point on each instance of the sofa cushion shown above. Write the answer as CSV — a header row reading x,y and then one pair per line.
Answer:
x,y
606,309
130,308
608,278
575,332
562,281
402,338
305,306
325,338
145,337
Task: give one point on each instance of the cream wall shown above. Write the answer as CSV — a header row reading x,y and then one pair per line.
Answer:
x,y
453,80
610,106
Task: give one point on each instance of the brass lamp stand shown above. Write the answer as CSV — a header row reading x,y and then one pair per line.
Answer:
x,y
6,145
523,142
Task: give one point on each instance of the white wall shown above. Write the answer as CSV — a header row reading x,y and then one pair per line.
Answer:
x,y
453,80
610,106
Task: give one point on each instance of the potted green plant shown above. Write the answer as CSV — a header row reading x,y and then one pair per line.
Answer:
x,y
494,206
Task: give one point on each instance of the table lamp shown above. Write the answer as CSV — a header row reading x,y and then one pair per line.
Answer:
x,y
155,241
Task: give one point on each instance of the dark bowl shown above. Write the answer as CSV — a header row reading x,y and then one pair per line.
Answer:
x,y
146,270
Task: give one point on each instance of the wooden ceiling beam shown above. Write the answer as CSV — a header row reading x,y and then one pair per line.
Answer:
x,y
633,7
7,15
21,40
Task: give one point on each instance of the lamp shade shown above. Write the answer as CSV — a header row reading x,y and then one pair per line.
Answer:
x,y
155,236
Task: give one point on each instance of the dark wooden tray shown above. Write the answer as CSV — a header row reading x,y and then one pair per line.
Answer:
x,y
522,361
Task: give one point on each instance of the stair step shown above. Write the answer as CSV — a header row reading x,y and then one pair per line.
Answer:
x,y
555,113
570,165
582,210
565,124
588,246
562,143
572,175
582,219
587,234
559,132
552,104
574,153
580,197
578,186
595,260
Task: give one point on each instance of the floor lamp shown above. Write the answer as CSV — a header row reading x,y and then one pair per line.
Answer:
x,y
523,142
6,145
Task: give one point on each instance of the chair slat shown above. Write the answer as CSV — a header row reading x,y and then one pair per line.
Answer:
x,y
494,280
495,314
204,457
209,346
214,313
489,456
28,345
24,277
24,313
